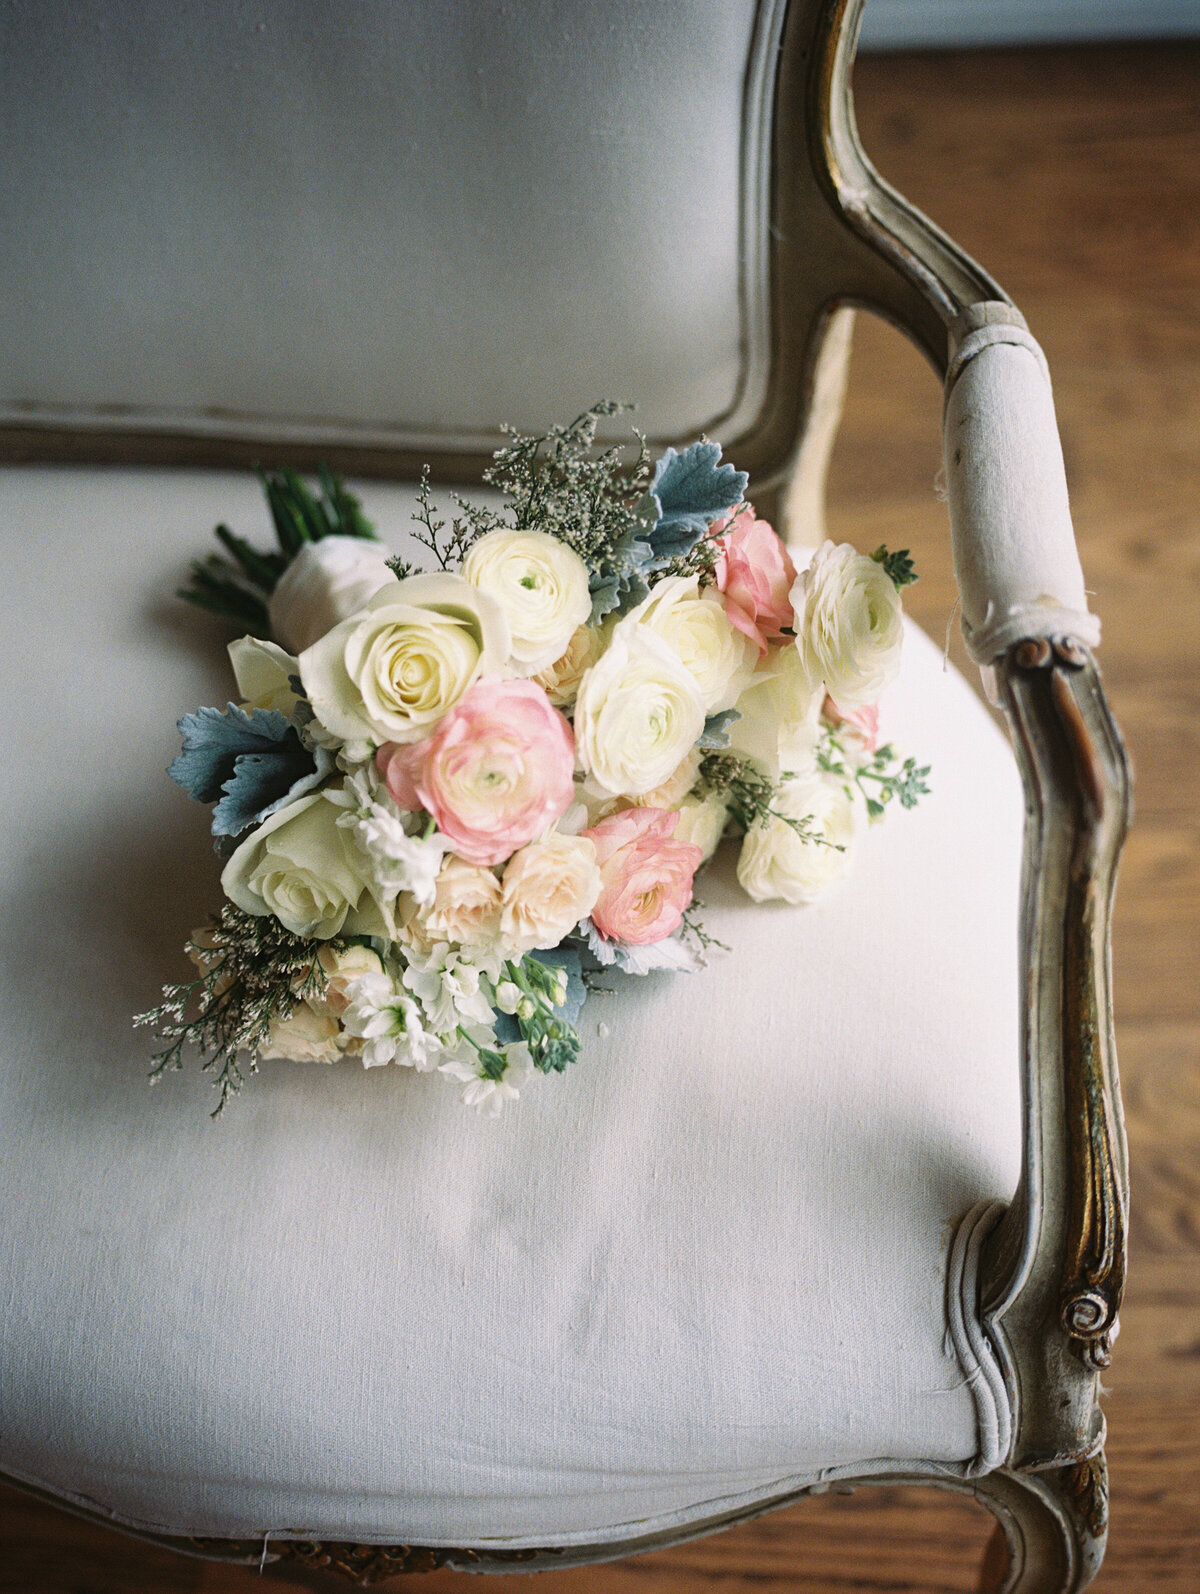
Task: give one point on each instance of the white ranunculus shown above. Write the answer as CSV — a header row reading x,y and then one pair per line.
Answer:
x,y
692,621
639,711
326,582
702,822
560,680
263,673
849,626
301,866
675,788
542,586
776,864
389,672
548,887
780,715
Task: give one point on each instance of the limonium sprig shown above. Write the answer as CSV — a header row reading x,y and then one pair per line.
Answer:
x,y
458,783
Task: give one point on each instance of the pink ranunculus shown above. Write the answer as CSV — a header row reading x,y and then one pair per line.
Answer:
x,y
496,772
645,875
863,721
755,573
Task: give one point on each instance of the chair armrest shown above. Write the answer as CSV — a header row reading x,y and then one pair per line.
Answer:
x,y
1014,546
1054,1270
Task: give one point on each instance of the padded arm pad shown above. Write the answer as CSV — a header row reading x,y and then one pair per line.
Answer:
x,y
1014,546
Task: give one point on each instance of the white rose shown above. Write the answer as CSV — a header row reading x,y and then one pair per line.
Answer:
x,y
780,715
560,680
326,582
637,714
542,586
775,863
301,866
692,621
389,672
548,887
263,673
465,908
305,1036
849,626
702,822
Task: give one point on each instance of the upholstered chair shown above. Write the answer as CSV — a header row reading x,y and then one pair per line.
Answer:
x,y
847,1205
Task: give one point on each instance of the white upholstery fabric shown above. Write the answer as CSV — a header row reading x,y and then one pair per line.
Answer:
x,y
384,223
1014,546
706,1266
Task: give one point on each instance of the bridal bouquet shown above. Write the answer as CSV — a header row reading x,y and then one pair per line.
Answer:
x,y
449,798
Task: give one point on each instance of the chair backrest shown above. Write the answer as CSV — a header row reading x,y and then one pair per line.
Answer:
x,y
374,233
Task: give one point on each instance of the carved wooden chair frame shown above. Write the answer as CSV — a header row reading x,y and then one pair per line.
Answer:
x,y
1052,1269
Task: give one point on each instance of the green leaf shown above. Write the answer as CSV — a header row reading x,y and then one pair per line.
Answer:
x,y
898,565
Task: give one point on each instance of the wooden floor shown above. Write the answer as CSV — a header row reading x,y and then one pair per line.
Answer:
x,y
1075,177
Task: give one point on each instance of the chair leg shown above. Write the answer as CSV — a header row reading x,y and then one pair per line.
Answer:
x,y
1051,1528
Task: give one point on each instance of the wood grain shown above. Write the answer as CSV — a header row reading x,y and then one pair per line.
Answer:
x,y
1074,175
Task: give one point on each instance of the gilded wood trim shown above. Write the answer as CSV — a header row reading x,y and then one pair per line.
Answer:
x,y
1055,1268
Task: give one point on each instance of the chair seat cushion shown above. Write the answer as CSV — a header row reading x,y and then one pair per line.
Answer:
x,y
706,1266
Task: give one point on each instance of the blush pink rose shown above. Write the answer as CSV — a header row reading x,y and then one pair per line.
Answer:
x,y
863,721
497,771
755,573
645,875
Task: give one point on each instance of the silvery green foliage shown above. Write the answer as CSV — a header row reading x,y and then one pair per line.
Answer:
x,y
715,734
248,762
689,490
551,994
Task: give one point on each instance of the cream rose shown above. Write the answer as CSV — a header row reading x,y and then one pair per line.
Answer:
x,y
560,680
639,711
775,863
301,866
342,966
849,626
389,672
542,586
305,1036
466,906
693,623
548,887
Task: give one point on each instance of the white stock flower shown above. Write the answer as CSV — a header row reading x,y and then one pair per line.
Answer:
x,y
560,680
849,626
487,1095
326,582
542,586
302,867
775,863
548,887
639,711
389,672
394,858
692,621
389,1024
454,986
780,716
